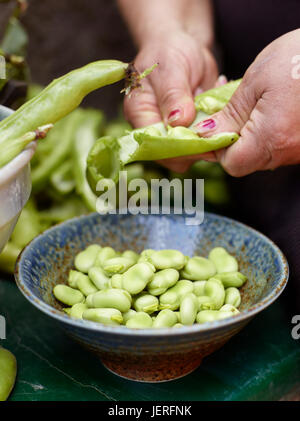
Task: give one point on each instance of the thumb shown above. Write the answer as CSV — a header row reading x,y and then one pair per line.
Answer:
x,y
174,96
241,116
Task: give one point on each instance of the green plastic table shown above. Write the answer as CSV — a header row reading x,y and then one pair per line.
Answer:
x,y
260,363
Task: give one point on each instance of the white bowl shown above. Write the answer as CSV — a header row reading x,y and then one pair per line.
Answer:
x,y
15,187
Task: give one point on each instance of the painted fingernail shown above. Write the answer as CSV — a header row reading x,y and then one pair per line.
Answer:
x,y
207,124
174,115
222,80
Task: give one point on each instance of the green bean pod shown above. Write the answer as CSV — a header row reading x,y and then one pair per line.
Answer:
x,y
165,318
68,295
222,260
8,372
61,97
86,259
106,316
198,269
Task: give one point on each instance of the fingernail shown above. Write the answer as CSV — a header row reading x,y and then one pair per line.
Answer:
x,y
207,124
198,91
222,80
174,115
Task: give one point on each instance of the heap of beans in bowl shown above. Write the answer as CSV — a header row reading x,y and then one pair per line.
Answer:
x,y
154,289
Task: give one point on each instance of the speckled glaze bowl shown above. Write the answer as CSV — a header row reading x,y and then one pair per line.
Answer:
x,y
151,355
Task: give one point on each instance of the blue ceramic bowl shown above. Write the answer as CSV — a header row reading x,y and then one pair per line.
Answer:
x,y
162,354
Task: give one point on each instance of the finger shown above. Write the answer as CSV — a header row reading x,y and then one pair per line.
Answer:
x,y
140,108
222,80
182,164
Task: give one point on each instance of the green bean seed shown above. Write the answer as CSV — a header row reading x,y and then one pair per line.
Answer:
x,y
198,269
77,310
137,277
222,260
128,314
205,303
68,295
140,320
229,307
188,309
212,315
117,281
86,259
104,254
8,370
73,277
172,297
85,285
233,296
231,279
199,288
99,278
146,303
117,265
165,318
178,325
215,290
106,316
163,280
165,259
132,255
112,298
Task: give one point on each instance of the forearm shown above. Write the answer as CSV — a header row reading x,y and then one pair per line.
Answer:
x,y
158,18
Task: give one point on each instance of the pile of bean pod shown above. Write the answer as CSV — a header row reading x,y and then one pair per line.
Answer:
x,y
156,289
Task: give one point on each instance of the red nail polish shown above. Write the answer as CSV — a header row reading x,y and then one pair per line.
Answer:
x,y
207,124
174,115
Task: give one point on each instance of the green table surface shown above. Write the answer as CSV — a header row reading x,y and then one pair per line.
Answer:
x,y
260,363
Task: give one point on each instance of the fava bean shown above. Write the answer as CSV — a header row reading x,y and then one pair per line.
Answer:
x,y
112,298
165,318
137,277
216,292
68,295
77,310
8,372
165,259
212,315
146,303
178,325
128,314
104,254
199,288
198,269
233,296
188,309
229,308
129,254
231,279
106,316
86,259
73,277
163,280
99,278
117,281
117,265
222,260
85,285
172,297
140,320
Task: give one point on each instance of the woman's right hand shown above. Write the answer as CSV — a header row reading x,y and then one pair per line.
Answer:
x,y
185,67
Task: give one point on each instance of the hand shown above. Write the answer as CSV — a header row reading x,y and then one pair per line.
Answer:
x,y
265,110
168,92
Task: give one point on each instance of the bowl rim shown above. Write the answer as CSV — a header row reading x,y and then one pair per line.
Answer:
x,y
244,316
11,170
